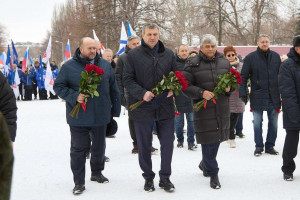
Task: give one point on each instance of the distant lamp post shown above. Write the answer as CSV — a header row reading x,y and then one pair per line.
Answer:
x,y
62,49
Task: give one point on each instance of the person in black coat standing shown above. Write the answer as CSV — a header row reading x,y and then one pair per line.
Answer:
x,y
211,123
262,67
184,106
289,87
147,64
132,42
8,106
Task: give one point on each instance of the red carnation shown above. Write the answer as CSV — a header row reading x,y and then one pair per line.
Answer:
x,y
232,71
176,113
99,71
239,80
181,79
89,68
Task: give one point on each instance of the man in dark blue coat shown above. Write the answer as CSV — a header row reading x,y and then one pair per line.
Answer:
x,y
289,86
97,115
184,106
262,67
147,64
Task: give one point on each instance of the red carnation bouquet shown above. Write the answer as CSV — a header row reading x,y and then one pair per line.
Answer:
x,y
175,81
90,79
233,79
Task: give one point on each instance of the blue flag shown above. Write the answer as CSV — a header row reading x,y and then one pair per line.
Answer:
x,y
8,56
15,54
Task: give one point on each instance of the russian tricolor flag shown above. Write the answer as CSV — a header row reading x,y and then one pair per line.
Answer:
x,y
25,60
68,51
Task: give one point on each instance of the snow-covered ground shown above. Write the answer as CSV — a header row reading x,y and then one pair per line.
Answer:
x,y
42,164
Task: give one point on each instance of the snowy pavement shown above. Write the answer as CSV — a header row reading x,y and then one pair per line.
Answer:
x,y
42,164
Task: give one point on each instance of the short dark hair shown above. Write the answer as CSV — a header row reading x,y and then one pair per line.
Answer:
x,y
150,26
296,41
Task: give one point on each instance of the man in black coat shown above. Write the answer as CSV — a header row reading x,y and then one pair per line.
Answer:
x,y
262,67
289,87
8,106
213,122
147,64
132,42
184,106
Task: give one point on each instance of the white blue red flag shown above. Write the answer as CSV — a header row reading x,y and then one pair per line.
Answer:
x,y
68,51
47,54
25,60
97,39
49,82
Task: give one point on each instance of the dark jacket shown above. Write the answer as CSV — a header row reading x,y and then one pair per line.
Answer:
x,y
289,86
211,124
142,73
27,78
6,160
119,74
98,109
263,72
183,103
8,106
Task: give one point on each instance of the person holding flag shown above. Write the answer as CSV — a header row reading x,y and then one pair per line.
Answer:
x,y
40,80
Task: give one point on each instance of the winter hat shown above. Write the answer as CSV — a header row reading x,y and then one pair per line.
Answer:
x,y
229,48
112,128
296,41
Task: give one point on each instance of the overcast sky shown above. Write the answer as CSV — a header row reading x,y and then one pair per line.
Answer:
x,y
27,20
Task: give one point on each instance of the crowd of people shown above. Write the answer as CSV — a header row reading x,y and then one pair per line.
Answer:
x,y
130,77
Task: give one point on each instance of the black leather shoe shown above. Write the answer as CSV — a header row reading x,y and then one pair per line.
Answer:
x,y
240,135
272,151
258,151
288,177
149,186
78,189
214,182
202,168
99,178
166,184
180,144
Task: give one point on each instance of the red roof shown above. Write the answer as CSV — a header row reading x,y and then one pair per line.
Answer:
x,y
245,50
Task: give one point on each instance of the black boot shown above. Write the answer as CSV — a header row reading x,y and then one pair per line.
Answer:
x,y
78,189
149,186
166,184
214,182
99,178
288,177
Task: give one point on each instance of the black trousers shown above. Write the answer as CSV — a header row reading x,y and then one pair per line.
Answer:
x,y
34,89
233,121
21,87
132,131
165,134
43,94
28,93
209,158
290,151
80,143
53,96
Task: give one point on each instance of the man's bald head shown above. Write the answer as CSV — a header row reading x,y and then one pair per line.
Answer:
x,y
87,48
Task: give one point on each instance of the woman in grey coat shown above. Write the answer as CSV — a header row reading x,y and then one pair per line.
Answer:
x,y
211,123
236,105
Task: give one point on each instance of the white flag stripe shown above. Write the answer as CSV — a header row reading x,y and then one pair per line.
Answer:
x,y
49,82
